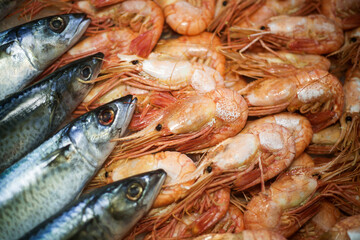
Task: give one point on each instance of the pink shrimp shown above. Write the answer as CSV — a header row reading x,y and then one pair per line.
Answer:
x,y
345,13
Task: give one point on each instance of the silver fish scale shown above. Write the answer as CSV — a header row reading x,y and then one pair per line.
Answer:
x,y
66,174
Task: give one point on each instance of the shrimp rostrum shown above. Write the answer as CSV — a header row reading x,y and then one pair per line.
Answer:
x,y
316,94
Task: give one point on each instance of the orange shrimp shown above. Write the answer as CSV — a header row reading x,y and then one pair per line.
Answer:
x,y
244,235
177,166
188,17
322,222
349,139
271,64
298,125
323,141
347,228
271,209
345,13
201,48
313,34
193,122
316,94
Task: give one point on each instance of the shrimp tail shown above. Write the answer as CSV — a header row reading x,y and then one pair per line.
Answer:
x,y
140,45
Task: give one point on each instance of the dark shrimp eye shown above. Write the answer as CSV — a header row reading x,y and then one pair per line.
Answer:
x,y
224,3
209,169
106,174
262,28
348,118
317,175
134,62
86,72
353,39
158,127
106,116
57,24
134,191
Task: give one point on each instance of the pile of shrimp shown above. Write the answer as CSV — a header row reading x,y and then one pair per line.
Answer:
x,y
252,107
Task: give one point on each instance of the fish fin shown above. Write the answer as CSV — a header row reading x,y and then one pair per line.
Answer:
x,y
56,157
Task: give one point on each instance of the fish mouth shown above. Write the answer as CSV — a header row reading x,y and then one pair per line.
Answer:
x,y
131,101
156,181
80,30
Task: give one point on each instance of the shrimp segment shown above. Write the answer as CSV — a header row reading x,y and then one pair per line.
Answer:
x,y
313,34
244,235
188,17
345,13
316,94
177,166
323,142
268,210
344,229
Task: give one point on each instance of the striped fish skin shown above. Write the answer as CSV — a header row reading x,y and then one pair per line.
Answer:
x,y
30,116
6,6
106,213
54,174
26,50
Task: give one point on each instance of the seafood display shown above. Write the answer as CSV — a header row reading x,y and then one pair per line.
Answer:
x,y
156,119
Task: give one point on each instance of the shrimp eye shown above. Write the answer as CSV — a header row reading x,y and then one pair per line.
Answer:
x,y
134,191
86,72
158,127
57,24
317,175
106,174
348,118
353,39
106,116
224,3
262,28
209,169
134,62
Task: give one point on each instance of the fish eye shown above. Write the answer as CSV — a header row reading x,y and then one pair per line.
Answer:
x,y
224,3
262,28
158,127
134,62
134,191
86,72
106,116
353,39
57,24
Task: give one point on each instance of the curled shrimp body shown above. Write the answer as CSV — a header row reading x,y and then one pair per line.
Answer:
x,y
312,34
322,222
316,94
244,235
201,48
188,17
323,142
349,139
298,125
345,13
177,166
163,73
190,123
271,64
344,229
268,210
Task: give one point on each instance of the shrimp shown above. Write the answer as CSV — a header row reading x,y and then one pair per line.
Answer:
x,y
347,228
193,122
164,74
234,81
188,17
271,210
313,34
298,125
271,64
177,166
349,139
201,48
244,235
322,222
323,141
316,94
345,13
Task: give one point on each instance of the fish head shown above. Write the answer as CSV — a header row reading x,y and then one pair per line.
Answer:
x,y
92,133
133,198
48,38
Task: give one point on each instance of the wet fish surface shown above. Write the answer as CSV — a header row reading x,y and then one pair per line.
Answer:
x,y
26,50
106,213
54,174
30,116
